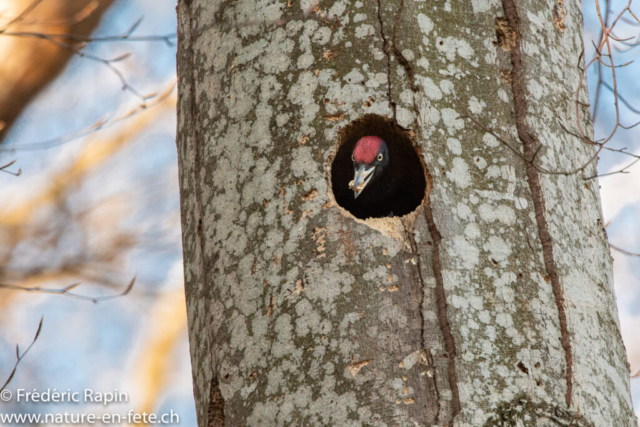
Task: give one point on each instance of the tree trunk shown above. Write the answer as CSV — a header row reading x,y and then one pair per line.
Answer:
x,y
492,304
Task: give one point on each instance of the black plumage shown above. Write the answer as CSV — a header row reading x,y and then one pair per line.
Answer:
x,y
396,188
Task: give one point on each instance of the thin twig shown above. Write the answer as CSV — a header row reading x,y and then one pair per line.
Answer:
x,y
103,123
614,247
127,36
75,43
66,291
19,356
167,38
106,62
4,168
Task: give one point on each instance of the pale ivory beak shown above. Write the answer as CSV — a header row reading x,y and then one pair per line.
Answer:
x,y
361,179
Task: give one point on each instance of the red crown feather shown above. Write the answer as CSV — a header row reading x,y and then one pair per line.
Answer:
x,y
367,149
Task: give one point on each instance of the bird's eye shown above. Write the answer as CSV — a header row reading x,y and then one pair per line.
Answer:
x,y
353,159
379,157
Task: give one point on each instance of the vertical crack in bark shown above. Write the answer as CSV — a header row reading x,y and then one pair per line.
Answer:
x,y
399,56
386,49
441,299
425,352
215,412
528,144
441,303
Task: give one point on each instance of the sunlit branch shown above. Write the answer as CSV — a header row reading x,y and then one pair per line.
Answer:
x,y
22,15
76,18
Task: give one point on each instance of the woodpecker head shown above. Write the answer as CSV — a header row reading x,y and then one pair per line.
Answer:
x,y
370,157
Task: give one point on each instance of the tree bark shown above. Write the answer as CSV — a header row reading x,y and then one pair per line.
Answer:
x,y
490,305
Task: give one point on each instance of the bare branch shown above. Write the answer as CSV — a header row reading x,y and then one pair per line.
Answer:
x,y
103,123
614,247
76,49
76,18
19,356
41,62
66,291
4,168
79,38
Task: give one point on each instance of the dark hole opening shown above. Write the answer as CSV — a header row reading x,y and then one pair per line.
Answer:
x,y
398,183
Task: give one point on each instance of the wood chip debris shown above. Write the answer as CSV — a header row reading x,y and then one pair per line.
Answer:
x,y
360,186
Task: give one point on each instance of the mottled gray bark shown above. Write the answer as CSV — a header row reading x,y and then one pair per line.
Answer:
x,y
491,305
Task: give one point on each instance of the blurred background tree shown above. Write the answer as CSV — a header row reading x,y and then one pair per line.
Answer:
x,y
97,201
87,110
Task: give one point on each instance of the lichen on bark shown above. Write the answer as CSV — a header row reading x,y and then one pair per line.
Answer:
x,y
301,315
